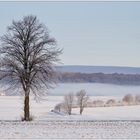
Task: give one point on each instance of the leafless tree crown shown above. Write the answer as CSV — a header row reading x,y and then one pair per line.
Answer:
x,y
82,99
68,102
28,55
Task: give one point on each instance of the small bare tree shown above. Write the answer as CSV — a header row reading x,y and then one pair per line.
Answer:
x,y
82,99
68,102
28,55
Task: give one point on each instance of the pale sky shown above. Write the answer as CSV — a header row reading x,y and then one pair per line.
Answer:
x,y
91,33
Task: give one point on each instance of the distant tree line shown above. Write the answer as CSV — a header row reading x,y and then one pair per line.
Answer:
x,y
114,78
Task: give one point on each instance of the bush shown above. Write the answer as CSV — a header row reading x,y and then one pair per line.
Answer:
x,y
58,107
111,102
137,98
128,99
98,103
61,107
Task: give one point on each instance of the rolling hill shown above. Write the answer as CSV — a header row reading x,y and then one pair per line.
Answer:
x,y
98,69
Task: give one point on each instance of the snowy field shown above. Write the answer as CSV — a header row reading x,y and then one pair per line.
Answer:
x,y
70,130
11,108
95,123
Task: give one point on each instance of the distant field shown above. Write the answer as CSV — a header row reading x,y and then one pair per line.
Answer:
x,y
13,105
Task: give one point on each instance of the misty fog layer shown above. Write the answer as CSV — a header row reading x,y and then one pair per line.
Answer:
x,y
96,89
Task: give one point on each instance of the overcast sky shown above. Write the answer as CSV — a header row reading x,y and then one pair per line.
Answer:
x,y
91,33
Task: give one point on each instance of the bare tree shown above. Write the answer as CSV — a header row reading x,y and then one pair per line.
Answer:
x,y
82,99
68,102
28,55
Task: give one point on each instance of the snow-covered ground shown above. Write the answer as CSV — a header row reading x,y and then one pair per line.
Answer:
x,y
73,130
96,123
11,108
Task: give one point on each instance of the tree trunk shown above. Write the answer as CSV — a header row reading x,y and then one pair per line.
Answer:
x,y
26,108
81,110
69,111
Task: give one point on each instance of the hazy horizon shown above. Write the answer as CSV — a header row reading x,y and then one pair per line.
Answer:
x,y
98,65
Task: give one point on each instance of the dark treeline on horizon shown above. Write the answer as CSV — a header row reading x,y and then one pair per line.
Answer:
x,y
114,78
